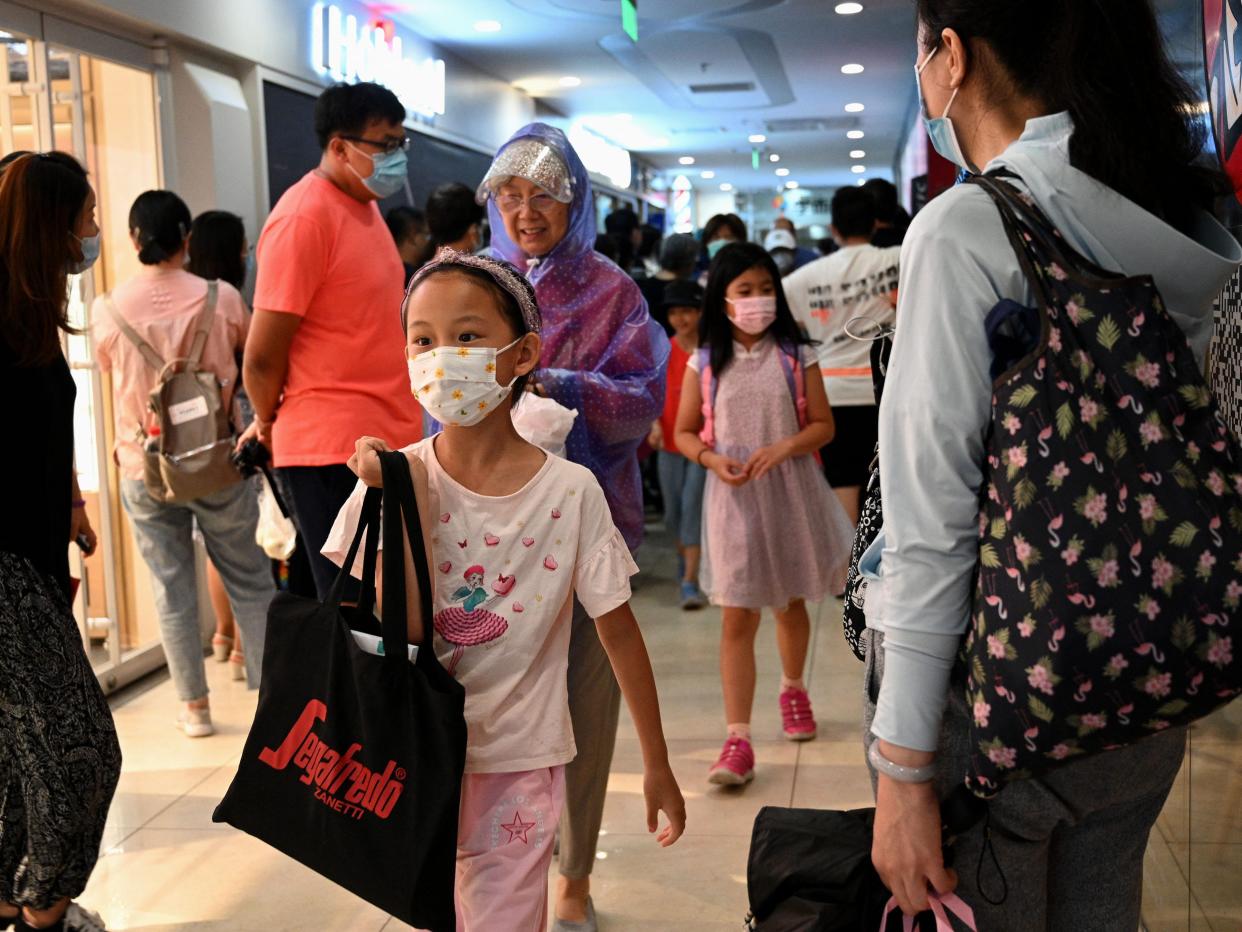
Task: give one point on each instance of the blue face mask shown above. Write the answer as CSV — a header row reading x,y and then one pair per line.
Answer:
x,y
715,246
940,130
90,246
388,172
249,263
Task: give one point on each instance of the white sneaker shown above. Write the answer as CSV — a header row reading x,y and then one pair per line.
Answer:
x,y
78,919
196,723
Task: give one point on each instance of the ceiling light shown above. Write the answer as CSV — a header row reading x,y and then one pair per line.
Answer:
x,y
791,185
855,134
774,157
726,187
570,81
758,138
858,169
849,9
487,25
707,176
686,160
852,69
782,172
849,108
860,182
858,154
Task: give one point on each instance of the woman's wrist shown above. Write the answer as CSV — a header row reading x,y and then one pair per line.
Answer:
x,y
701,459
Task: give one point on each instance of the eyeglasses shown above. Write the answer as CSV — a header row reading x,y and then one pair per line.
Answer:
x,y
388,144
511,203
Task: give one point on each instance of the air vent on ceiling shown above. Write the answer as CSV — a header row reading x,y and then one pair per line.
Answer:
x,y
811,124
724,87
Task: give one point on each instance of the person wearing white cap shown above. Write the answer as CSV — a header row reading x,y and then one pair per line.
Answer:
x,y
783,248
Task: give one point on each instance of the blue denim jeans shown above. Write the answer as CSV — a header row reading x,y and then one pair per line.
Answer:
x,y
227,520
681,484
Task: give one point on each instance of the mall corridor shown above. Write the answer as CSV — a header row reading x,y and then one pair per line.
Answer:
x,y
439,431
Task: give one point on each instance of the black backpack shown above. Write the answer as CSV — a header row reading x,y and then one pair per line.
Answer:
x,y
1110,547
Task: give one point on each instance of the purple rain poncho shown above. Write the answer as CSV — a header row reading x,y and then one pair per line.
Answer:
x,y
602,352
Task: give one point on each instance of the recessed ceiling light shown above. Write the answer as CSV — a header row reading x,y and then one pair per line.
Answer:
x,y
849,108
860,182
774,157
570,81
852,69
758,138
487,25
791,185
855,134
858,154
726,187
849,9
858,169
707,176
686,160
782,172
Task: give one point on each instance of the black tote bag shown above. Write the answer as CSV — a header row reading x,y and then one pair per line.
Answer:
x,y
354,762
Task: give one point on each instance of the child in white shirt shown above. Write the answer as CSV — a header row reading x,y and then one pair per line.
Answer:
x,y
516,533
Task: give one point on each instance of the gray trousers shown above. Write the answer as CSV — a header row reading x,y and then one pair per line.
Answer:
x,y
163,532
1069,844
594,706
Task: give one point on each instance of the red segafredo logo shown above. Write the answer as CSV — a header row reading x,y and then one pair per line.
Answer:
x,y
330,771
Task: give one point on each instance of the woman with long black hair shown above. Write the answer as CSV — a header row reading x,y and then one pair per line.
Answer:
x,y
1079,99
59,757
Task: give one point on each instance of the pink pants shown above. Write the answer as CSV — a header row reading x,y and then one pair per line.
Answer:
x,y
504,848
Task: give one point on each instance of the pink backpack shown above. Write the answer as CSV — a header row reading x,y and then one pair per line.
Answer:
x,y
708,385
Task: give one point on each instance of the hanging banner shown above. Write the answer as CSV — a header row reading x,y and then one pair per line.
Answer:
x,y
1222,56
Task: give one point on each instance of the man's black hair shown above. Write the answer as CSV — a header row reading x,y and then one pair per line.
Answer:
x,y
853,213
347,109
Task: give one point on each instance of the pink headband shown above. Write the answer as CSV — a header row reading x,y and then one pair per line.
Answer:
x,y
501,272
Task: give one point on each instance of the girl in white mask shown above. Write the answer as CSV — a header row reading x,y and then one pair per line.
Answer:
x,y
754,412
525,532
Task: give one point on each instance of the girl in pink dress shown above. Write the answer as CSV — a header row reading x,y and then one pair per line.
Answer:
x,y
754,412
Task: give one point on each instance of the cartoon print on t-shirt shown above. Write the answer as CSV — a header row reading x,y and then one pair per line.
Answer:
x,y
471,623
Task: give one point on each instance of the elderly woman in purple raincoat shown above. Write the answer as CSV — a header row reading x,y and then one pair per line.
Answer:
x,y
604,356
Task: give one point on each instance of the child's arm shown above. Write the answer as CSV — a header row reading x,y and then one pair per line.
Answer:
x,y
690,422
365,463
623,642
819,430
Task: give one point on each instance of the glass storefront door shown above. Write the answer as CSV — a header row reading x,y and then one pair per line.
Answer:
x,y
104,113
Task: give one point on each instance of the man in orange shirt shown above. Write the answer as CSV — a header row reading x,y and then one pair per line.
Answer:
x,y
323,363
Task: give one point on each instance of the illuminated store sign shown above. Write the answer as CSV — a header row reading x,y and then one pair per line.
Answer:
x,y
601,156
345,50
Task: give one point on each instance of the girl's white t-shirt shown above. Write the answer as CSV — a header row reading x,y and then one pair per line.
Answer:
x,y
505,571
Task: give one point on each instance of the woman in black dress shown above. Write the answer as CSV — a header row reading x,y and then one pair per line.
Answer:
x,y
59,756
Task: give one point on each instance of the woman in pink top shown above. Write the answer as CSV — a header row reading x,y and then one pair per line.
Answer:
x,y
162,305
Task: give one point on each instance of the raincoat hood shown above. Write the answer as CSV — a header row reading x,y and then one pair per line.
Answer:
x,y
579,238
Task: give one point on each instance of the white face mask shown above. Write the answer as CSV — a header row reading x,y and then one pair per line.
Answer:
x,y
457,384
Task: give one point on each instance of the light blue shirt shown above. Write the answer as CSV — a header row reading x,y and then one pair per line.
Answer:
x,y
956,264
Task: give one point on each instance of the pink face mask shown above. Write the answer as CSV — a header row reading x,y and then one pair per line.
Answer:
x,y
754,315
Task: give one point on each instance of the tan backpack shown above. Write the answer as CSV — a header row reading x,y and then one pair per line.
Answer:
x,y
190,457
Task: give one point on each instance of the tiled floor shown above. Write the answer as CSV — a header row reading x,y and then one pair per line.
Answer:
x,y
166,866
